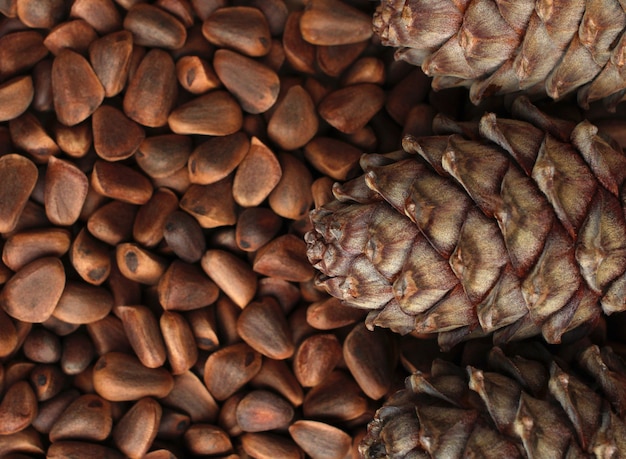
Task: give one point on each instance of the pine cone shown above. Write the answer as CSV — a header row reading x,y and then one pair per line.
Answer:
x,y
500,47
518,232
532,405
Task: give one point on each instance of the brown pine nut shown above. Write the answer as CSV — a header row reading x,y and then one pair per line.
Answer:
x,y
18,408
76,90
262,324
215,113
134,433
283,257
75,35
90,258
255,227
29,135
26,246
262,410
228,369
241,28
257,175
215,159
34,291
144,334
19,176
100,14
121,377
20,51
115,137
152,89
207,439
88,418
110,57
42,346
191,396
77,353
120,182
139,265
75,140
154,27
184,287
150,220
161,156
315,358
231,274
112,222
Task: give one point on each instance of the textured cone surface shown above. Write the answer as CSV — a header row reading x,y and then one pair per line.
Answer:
x,y
517,232
499,47
520,406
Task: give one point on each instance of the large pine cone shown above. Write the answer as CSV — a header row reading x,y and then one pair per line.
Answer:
x,y
518,232
499,47
530,406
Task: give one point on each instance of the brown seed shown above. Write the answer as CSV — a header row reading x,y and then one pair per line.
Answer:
x,y
231,274
190,396
322,191
115,137
134,433
184,287
411,90
253,84
227,419
276,375
320,440
75,141
262,410
150,220
212,205
367,69
292,198
263,445
330,313
19,176
59,327
153,27
25,246
90,258
215,113
333,157
86,418
419,121
226,314
196,75
65,449
299,53
20,51
205,439
333,22
241,28
180,343
262,324
370,357
257,175
102,15
337,398
334,60
172,426
112,223
37,15
83,303
34,291
65,192
144,334
47,381
76,90
216,158
315,358
351,108
75,35
50,410
276,57
152,90
182,9
120,182
9,339
285,258
77,353
229,368
138,264
27,441
110,58
18,408
183,235
107,335
162,155
121,377
294,121
42,83
29,135
255,227
204,327
42,346
15,97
